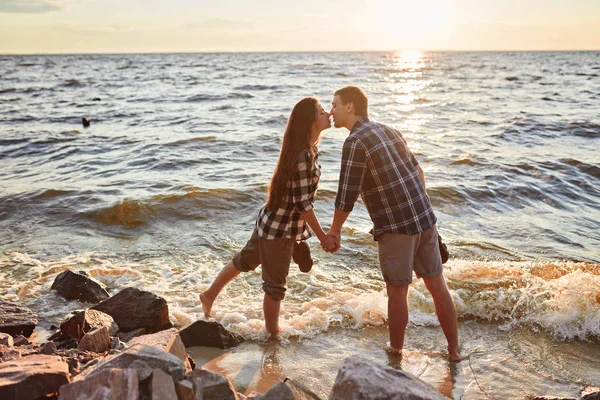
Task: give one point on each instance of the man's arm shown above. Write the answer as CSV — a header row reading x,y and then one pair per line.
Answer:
x,y
352,175
422,176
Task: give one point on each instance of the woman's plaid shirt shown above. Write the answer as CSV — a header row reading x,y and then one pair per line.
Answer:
x,y
285,221
378,165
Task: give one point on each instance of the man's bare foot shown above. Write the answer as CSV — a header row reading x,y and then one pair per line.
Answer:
x,y
455,355
206,304
393,350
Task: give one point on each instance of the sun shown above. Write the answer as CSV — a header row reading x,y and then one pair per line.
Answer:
x,y
412,18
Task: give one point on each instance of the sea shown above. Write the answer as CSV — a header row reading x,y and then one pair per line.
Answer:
x,y
164,186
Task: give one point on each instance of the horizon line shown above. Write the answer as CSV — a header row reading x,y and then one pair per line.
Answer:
x,y
296,51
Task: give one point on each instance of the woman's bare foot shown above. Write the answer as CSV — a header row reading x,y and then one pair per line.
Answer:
x,y
206,304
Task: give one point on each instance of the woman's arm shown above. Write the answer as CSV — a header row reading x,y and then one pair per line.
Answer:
x,y
327,242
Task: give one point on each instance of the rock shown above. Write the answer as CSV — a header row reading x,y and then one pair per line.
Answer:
x,y
132,309
185,390
48,348
209,334
16,319
21,340
116,344
67,344
591,396
359,379
6,340
167,340
162,386
208,385
32,377
127,336
142,369
590,393
78,286
11,354
97,341
552,398
85,321
192,363
108,384
280,391
153,357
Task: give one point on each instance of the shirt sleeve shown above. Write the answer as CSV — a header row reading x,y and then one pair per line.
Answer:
x,y
301,184
410,154
352,175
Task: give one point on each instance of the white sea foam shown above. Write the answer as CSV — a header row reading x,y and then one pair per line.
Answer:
x,y
561,298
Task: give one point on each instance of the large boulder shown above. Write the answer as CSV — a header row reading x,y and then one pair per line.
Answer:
x,y
132,308
16,319
208,385
161,386
280,391
209,334
151,356
359,379
32,377
167,340
108,384
71,286
85,321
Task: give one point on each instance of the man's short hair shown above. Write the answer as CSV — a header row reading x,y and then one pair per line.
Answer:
x,y
355,95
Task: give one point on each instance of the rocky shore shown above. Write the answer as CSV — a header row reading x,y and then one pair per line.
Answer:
x,y
125,347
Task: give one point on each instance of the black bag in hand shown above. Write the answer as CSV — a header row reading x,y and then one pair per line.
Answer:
x,y
443,250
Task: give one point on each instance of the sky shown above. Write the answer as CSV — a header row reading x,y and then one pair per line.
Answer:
x,y
143,26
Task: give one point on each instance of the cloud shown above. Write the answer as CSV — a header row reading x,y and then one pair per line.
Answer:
x,y
30,6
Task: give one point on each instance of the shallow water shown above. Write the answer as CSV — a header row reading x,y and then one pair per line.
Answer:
x,y
500,365
163,188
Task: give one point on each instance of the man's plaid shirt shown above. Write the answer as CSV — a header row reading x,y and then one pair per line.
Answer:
x,y
285,222
378,165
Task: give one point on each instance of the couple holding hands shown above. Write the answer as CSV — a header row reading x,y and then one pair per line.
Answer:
x,y
377,165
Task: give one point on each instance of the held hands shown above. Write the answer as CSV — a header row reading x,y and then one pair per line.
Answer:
x,y
331,242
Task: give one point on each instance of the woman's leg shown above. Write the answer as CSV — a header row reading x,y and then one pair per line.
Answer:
x,y
246,260
276,256
225,276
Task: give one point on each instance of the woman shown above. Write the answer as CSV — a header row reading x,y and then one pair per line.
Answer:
x,y
286,216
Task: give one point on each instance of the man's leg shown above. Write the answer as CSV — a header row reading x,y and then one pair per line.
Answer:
x,y
446,312
271,310
226,275
397,314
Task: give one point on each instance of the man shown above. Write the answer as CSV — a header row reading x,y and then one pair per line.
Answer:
x,y
378,165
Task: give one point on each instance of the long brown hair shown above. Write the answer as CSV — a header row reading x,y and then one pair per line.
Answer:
x,y
296,139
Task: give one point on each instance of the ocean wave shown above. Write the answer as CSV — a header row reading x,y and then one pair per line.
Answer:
x,y
562,298
208,97
264,87
467,161
72,83
192,205
586,129
280,120
592,170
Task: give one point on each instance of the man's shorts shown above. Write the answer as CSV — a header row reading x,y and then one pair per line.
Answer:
x,y
275,256
400,255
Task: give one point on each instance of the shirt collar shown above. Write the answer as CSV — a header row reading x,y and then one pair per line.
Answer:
x,y
359,123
